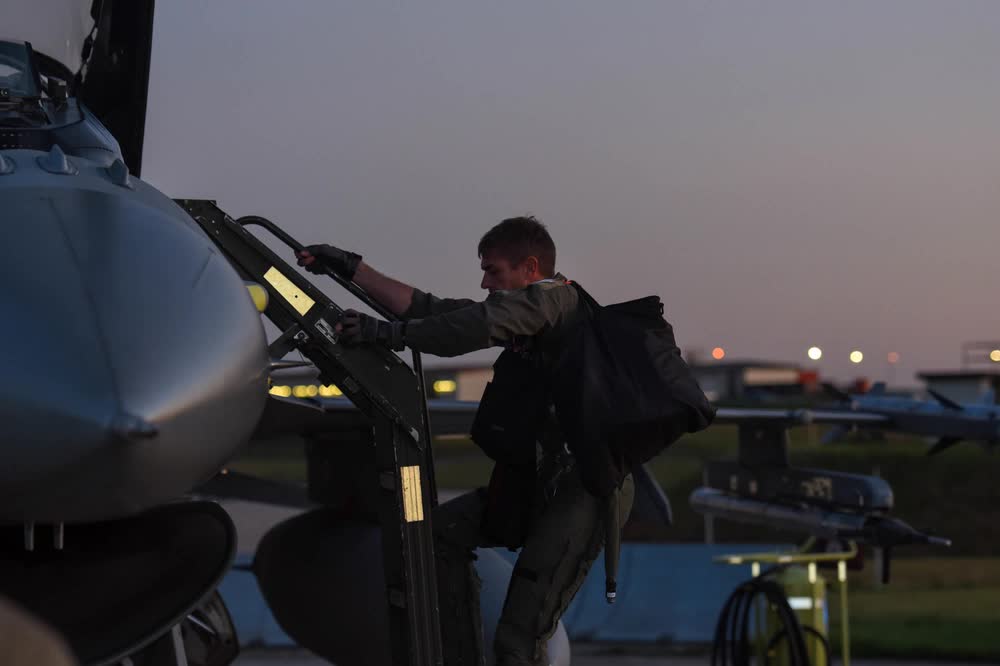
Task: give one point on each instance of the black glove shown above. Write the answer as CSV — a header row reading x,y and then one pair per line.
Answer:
x,y
319,258
358,328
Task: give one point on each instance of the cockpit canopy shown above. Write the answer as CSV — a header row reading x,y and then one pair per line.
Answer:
x,y
100,49
31,101
18,77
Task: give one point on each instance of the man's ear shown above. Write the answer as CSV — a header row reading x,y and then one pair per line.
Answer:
x,y
531,265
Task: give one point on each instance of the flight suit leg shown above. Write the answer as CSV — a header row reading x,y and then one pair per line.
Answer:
x,y
564,542
457,533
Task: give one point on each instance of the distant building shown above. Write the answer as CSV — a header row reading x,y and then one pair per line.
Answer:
x,y
720,380
449,382
963,385
458,381
762,380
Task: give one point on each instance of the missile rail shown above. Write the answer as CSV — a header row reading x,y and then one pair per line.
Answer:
x,y
387,391
762,488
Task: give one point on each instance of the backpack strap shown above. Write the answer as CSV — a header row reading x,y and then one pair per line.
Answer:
x,y
587,298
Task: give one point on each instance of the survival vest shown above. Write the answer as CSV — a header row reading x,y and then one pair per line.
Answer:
x,y
620,389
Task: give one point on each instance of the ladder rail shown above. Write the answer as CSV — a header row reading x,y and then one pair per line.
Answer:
x,y
387,391
358,292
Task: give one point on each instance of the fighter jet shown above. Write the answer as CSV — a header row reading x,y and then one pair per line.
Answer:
x,y
136,365
942,419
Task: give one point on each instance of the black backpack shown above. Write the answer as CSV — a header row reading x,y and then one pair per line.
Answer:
x,y
621,391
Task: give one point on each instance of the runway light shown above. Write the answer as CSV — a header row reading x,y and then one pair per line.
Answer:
x,y
718,353
857,357
893,357
995,355
445,386
281,391
815,353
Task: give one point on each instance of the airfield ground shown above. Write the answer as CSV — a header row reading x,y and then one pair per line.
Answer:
x,y
941,603
583,655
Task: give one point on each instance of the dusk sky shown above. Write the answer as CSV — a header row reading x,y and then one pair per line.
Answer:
x,y
782,174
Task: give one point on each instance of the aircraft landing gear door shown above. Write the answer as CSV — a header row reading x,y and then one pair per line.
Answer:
x,y
388,392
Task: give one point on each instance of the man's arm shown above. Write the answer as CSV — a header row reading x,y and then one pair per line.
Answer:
x,y
493,322
398,297
401,299
496,321
394,295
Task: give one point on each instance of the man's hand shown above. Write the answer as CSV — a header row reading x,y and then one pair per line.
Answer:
x,y
319,258
358,328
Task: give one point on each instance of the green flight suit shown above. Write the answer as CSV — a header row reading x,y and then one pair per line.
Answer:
x,y
567,530
543,311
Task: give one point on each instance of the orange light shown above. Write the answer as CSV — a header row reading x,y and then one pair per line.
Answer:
x,y
893,357
718,353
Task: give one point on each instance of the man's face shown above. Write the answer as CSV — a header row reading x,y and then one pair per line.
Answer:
x,y
499,274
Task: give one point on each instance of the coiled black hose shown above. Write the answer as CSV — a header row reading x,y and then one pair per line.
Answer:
x,y
815,633
732,631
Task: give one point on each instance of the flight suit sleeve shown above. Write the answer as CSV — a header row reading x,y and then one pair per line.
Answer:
x,y
427,305
493,322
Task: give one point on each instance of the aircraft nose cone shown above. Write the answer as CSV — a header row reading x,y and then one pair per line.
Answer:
x,y
134,363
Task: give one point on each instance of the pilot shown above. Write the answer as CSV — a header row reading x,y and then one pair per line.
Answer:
x,y
529,310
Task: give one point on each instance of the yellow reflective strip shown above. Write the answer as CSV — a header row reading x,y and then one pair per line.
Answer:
x,y
413,501
289,291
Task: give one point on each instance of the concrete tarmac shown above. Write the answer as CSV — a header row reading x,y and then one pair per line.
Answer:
x,y
253,520
584,654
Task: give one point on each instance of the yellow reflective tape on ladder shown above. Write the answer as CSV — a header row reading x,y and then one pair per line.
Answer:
x,y
413,501
289,291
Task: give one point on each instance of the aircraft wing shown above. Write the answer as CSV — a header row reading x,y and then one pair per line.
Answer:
x,y
303,416
454,417
738,415
238,486
287,416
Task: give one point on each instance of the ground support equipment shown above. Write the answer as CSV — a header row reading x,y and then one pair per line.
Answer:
x,y
389,393
793,614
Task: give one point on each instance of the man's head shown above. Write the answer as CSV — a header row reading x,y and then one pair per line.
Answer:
x,y
515,253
